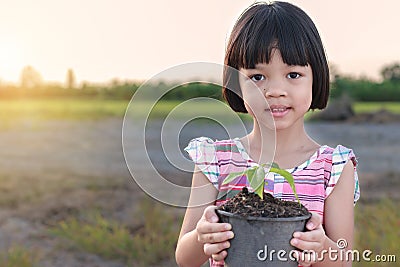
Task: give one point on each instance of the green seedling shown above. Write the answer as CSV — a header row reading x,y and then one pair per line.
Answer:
x,y
256,177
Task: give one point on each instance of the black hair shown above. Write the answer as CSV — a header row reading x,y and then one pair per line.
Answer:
x,y
263,27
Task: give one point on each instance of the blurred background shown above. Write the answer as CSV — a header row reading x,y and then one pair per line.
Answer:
x,y
68,70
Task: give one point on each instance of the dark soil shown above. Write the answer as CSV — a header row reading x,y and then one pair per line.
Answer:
x,y
247,204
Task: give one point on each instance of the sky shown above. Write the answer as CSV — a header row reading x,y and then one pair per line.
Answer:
x,y
135,40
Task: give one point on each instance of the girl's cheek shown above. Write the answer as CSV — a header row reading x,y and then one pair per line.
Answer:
x,y
254,102
249,110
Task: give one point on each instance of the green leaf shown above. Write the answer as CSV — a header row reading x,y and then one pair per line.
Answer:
x,y
258,180
260,191
232,176
289,178
250,173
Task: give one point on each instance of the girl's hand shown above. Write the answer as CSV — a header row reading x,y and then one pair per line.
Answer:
x,y
213,235
312,241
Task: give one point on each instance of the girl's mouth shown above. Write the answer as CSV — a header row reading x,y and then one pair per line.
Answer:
x,y
278,112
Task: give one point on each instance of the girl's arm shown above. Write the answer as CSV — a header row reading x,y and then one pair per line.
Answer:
x,y
339,213
339,224
200,230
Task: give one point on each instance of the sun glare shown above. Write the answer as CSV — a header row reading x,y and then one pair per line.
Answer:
x,y
10,61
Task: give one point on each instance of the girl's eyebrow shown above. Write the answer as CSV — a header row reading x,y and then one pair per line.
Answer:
x,y
257,67
299,66
249,69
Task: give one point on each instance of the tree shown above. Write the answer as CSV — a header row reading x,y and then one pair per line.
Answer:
x,y
30,78
391,72
70,81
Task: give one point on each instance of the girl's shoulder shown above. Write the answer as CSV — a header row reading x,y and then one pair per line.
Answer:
x,y
205,150
213,146
212,157
337,158
339,154
339,147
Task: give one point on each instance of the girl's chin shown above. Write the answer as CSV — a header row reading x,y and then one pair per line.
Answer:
x,y
267,124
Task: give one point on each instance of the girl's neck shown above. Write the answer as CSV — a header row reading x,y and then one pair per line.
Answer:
x,y
287,141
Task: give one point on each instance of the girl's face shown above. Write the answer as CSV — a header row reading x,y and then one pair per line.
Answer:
x,y
277,91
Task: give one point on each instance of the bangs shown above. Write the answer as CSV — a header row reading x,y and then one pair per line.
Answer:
x,y
256,41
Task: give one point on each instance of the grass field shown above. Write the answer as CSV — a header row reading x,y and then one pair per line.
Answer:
x,y
61,108
153,241
82,109
376,230
15,111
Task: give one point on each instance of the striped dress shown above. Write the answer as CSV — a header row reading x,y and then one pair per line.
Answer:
x,y
314,178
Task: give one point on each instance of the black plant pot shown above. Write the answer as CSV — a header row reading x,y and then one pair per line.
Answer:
x,y
261,241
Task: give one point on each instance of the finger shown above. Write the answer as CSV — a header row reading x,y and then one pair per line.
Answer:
x,y
210,215
220,256
204,227
316,235
216,248
215,237
306,245
314,221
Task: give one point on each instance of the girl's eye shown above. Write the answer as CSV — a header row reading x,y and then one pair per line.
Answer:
x,y
293,75
257,77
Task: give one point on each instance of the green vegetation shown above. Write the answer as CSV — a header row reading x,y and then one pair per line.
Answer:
x,y
362,107
115,90
61,108
154,240
188,91
81,109
366,90
32,87
12,112
256,174
377,228
213,109
18,256
14,194
31,111
151,242
34,101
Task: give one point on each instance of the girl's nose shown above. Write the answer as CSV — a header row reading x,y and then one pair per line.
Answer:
x,y
274,91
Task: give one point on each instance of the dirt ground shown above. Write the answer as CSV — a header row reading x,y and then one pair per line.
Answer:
x,y
52,169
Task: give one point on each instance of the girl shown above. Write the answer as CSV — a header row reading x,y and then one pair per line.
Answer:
x,y
276,47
